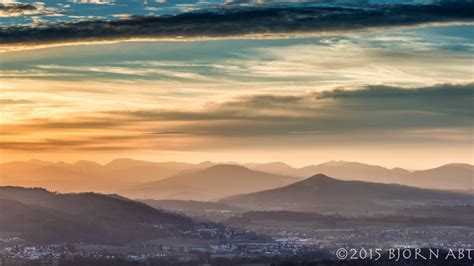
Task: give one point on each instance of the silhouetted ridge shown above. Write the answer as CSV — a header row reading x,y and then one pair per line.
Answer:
x,y
86,163
323,193
17,188
320,178
43,216
225,168
212,183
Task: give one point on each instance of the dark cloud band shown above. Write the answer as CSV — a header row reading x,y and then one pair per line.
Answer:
x,y
337,111
237,22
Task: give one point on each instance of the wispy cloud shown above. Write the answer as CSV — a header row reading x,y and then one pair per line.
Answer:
x,y
14,101
124,70
412,59
371,114
95,2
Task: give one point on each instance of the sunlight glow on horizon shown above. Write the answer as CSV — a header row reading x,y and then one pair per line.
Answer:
x,y
243,99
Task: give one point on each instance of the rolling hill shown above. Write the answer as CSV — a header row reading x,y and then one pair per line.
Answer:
x,y
213,183
46,217
323,193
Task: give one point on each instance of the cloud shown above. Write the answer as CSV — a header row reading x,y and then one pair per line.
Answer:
x,y
14,9
17,8
407,57
94,2
411,60
444,99
237,22
174,133
122,70
373,114
14,101
371,109
74,125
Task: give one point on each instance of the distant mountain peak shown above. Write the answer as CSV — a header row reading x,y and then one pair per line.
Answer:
x,y
121,160
62,164
225,167
39,162
335,163
321,192
86,163
212,183
400,170
205,164
122,163
460,165
320,178
282,164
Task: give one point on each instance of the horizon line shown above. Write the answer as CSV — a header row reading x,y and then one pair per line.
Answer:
x,y
239,163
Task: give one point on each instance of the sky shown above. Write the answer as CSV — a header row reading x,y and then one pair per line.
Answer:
x,y
393,95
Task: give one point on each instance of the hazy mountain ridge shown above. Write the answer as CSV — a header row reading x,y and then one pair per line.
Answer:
x,y
124,174
212,183
456,176
87,175
323,193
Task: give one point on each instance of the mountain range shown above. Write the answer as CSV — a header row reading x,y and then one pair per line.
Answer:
x,y
87,175
323,193
188,181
